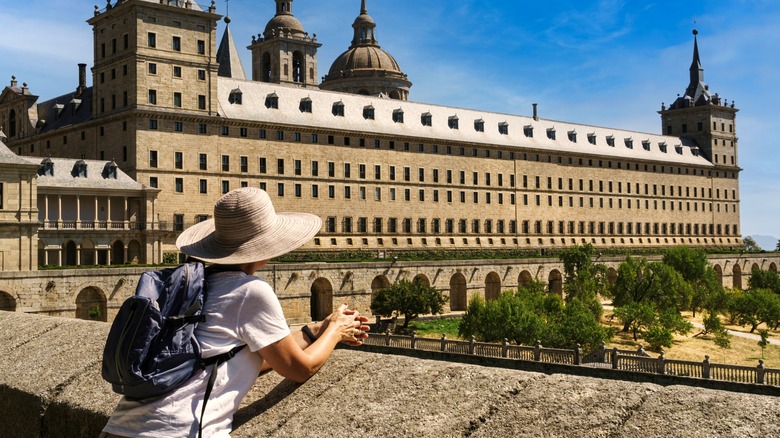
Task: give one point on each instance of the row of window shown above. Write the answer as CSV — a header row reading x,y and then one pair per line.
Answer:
x,y
282,135
700,127
449,174
176,43
176,102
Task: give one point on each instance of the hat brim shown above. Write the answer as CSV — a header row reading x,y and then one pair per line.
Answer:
x,y
290,231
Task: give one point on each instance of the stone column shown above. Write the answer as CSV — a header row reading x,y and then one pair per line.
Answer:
x,y
78,211
125,215
59,212
45,212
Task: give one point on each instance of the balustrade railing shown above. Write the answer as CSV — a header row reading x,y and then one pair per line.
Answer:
x,y
625,360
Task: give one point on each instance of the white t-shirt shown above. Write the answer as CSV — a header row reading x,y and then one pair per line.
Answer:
x,y
240,309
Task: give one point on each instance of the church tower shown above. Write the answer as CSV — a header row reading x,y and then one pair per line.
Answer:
x,y
154,55
365,68
704,117
284,53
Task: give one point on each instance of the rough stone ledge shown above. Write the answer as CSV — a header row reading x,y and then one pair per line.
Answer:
x,y
50,386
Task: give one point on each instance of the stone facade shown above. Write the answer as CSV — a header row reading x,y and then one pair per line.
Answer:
x,y
384,175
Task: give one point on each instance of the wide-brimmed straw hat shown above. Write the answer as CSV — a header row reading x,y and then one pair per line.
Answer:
x,y
246,228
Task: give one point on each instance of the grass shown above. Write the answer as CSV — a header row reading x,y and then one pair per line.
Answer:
x,y
743,351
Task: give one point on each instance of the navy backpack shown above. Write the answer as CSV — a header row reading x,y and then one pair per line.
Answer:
x,y
151,349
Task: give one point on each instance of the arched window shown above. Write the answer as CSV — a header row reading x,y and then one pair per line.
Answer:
x,y
298,69
321,299
265,74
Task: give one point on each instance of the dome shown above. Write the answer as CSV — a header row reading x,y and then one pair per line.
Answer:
x,y
283,21
364,58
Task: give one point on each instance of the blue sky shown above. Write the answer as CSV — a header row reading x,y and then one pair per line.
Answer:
x,y
608,63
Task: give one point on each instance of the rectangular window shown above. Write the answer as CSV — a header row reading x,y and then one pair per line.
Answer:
x,y
152,158
176,44
151,39
263,165
176,71
178,160
178,222
225,187
177,100
203,161
201,47
297,167
201,102
152,97
201,75
179,185
244,164
226,163
280,166
203,186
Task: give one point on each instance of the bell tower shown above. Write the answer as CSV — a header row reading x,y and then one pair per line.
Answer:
x,y
704,117
284,53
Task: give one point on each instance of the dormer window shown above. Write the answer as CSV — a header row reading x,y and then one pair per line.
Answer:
x,y
662,147
58,107
551,133
646,145
610,141
452,122
80,169
109,170
503,128
479,125
426,119
48,167
629,143
398,115
572,136
305,105
272,101
368,112
592,138
695,152
235,97
338,109
528,131
678,149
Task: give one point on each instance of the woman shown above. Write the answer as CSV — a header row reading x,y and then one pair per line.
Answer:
x,y
241,309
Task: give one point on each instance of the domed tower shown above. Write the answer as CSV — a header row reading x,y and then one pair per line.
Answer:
x,y
365,68
284,52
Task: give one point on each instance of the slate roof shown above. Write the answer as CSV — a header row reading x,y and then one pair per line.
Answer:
x,y
68,109
253,108
96,179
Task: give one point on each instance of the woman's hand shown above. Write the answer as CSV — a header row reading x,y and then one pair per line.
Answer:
x,y
351,323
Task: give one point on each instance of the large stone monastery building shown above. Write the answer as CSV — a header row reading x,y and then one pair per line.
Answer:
x,y
176,111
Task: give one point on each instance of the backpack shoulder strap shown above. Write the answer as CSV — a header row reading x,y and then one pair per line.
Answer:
x,y
216,361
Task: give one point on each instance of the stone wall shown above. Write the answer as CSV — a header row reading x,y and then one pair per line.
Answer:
x,y
50,386
312,290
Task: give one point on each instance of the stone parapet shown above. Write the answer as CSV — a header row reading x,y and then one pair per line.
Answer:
x,y
50,386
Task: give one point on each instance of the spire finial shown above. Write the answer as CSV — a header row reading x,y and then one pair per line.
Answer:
x,y
363,8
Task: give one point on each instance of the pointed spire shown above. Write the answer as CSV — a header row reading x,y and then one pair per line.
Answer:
x,y
363,8
227,56
697,72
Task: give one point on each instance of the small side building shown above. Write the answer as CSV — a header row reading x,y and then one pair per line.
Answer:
x,y
92,213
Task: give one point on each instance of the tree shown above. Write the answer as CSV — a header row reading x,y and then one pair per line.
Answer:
x,y
777,248
764,279
750,244
530,315
635,316
407,298
584,280
723,340
692,264
764,333
757,306
653,283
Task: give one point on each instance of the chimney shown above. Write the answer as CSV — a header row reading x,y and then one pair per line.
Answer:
x,y
536,116
82,79
13,81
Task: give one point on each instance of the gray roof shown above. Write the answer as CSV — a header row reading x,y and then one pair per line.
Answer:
x,y
8,157
68,109
227,56
645,146
65,175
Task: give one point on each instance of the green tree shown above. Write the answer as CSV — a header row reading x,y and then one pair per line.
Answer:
x,y
757,306
707,292
750,244
653,283
584,280
635,317
410,299
658,336
764,342
777,248
723,340
764,279
712,324
531,315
